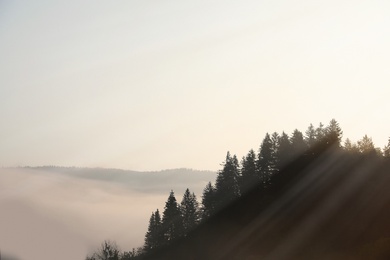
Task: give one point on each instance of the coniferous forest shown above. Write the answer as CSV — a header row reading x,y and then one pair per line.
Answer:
x,y
306,195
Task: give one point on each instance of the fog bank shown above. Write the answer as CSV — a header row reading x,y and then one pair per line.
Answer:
x,y
64,213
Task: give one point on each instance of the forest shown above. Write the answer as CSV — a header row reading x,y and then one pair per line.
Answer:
x,y
298,191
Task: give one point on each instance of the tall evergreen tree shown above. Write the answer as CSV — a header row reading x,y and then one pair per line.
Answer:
x,y
227,183
366,146
153,237
189,208
350,147
310,136
333,133
208,201
284,153
159,240
249,177
298,145
265,162
150,234
172,224
320,133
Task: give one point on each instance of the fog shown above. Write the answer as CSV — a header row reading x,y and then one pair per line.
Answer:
x,y
65,213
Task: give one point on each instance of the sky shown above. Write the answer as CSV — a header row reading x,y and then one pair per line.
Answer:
x,y
150,85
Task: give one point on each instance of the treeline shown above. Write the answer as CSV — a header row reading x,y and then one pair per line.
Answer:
x,y
255,170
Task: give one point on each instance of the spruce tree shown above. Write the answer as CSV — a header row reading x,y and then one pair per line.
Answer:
x,y
150,234
265,162
298,145
159,236
310,136
366,146
227,183
153,237
333,133
189,209
284,153
208,201
350,147
249,177
172,224
320,133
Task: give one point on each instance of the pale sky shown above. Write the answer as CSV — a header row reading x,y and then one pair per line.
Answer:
x,y
149,85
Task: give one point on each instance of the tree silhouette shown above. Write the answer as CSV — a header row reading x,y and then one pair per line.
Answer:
x,y
172,224
249,176
284,152
366,146
266,163
153,237
298,144
227,183
333,133
351,147
208,201
320,132
189,209
310,136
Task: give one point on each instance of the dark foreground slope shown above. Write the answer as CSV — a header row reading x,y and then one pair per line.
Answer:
x,y
324,205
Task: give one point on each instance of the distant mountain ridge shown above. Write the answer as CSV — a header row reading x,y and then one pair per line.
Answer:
x,y
142,181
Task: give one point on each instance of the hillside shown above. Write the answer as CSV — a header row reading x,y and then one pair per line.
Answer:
x,y
327,205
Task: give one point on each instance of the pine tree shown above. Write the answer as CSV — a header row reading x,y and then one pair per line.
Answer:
x,y
172,224
249,177
208,201
189,208
227,183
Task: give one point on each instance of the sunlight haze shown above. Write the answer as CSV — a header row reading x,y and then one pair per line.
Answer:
x,y
150,85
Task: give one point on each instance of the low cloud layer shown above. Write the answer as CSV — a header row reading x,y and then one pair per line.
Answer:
x,y
64,213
